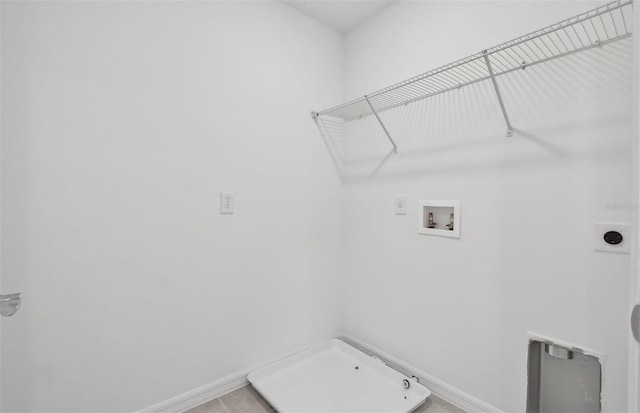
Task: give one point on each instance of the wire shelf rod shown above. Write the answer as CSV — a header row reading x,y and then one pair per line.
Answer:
x,y
597,27
566,23
624,22
593,46
498,74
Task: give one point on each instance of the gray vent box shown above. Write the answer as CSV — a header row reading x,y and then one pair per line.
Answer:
x,y
562,380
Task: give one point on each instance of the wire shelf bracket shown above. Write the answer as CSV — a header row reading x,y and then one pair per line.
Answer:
x,y
592,29
395,147
497,89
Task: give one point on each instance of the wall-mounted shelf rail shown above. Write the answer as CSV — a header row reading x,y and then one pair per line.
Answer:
x,y
594,28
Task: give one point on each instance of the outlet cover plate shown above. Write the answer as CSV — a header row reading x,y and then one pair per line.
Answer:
x,y
226,202
601,228
400,202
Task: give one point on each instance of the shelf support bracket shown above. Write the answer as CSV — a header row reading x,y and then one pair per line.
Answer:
x,y
395,147
497,89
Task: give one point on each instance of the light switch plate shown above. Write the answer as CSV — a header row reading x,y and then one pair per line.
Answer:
x,y
401,204
602,228
226,202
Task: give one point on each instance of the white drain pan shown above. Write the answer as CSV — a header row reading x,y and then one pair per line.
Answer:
x,y
334,377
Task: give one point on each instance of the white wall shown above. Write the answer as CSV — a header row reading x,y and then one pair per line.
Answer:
x,y
461,310
121,123
634,347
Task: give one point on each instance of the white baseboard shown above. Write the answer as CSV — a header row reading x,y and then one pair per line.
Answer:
x,y
235,381
210,391
443,390
200,395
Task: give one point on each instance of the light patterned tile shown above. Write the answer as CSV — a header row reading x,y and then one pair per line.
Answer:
x,y
213,406
435,404
246,400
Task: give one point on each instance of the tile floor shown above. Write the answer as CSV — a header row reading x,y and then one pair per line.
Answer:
x,y
247,400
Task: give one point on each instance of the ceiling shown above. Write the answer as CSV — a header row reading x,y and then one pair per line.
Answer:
x,y
341,15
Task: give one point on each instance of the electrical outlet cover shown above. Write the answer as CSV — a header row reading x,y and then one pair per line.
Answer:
x,y
401,204
600,244
226,202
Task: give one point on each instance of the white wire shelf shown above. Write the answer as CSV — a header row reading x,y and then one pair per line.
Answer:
x,y
594,28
